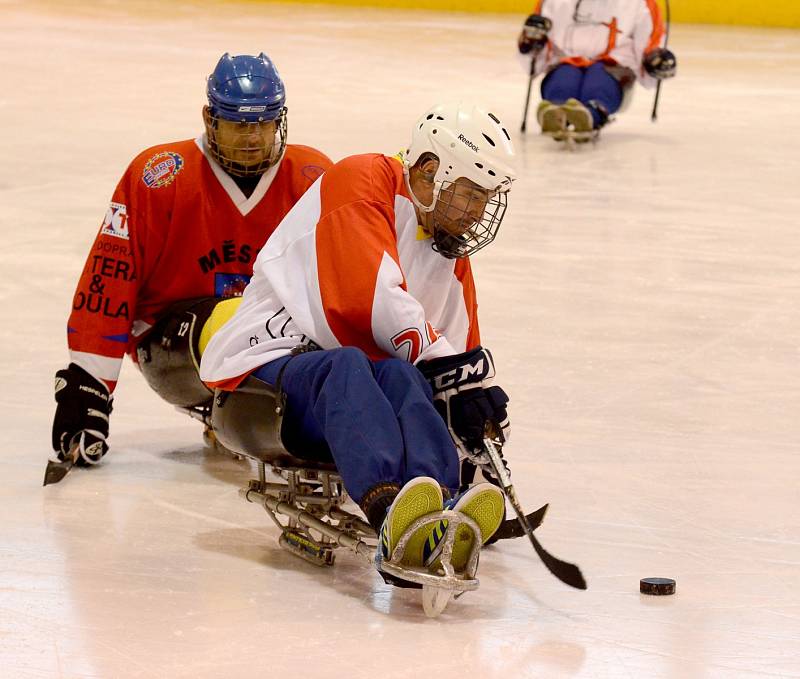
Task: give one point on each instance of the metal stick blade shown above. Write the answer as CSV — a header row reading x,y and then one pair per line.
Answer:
x,y
56,471
511,528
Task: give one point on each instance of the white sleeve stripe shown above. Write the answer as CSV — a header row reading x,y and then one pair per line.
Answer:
x,y
100,367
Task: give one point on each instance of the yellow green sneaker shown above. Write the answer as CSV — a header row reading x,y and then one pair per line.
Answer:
x,y
579,118
418,497
484,504
552,119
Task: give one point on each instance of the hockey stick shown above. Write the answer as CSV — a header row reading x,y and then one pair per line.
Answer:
x,y
654,115
528,96
511,528
58,469
568,573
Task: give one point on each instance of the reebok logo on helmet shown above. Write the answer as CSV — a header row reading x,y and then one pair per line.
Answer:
x,y
252,109
461,137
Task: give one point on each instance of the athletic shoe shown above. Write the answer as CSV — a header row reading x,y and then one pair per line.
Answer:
x,y
418,497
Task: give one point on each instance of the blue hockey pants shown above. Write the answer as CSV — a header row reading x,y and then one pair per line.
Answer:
x,y
374,419
584,84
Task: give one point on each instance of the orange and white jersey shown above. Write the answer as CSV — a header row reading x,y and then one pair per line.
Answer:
x,y
612,31
178,227
349,266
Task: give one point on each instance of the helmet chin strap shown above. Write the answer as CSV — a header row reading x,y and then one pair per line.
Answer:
x,y
437,187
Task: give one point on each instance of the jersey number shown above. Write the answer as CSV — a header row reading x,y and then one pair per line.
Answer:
x,y
413,339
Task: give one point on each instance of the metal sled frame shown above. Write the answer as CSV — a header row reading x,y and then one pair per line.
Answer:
x,y
571,138
307,503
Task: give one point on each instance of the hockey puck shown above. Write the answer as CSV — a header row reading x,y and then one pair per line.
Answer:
x,y
657,586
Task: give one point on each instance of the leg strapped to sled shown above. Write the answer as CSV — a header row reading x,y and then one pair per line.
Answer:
x,y
307,504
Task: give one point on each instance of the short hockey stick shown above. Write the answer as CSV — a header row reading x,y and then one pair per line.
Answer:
x,y
528,96
568,573
654,115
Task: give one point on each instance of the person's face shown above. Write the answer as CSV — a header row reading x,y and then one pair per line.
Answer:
x,y
460,206
245,144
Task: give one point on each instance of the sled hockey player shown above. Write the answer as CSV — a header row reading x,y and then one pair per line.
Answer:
x,y
362,314
591,52
183,229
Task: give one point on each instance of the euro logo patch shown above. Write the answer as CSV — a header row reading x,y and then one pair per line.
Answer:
x,y
162,169
228,285
116,221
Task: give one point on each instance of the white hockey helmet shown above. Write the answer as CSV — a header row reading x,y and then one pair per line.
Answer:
x,y
469,142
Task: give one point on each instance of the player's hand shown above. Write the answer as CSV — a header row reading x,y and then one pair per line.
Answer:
x,y
660,63
466,397
534,34
83,408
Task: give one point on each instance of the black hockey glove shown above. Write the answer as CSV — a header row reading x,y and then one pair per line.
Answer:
x,y
84,405
660,63
466,398
534,34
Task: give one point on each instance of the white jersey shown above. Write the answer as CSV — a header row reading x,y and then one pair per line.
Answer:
x,y
611,31
348,266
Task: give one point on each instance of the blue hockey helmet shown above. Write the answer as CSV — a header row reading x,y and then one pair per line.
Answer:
x,y
246,115
244,88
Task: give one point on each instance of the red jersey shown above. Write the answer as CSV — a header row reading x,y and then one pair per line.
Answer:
x,y
178,227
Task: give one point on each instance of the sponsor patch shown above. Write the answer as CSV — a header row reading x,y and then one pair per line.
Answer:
x,y
116,221
162,169
230,284
312,172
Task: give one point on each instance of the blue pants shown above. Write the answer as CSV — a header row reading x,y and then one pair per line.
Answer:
x,y
375,420
592,84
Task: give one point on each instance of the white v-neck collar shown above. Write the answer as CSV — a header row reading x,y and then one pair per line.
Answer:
x,y
242,202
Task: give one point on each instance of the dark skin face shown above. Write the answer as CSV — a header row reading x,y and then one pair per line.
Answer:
x,y
245,144
460,204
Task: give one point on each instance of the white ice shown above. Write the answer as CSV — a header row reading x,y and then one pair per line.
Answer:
x,y
641,302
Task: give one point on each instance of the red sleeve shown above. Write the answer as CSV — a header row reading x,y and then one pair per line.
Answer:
x,y
103,307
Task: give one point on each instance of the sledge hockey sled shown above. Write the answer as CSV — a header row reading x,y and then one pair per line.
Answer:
x,y
305,498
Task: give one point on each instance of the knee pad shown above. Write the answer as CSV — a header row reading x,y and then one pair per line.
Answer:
x,y
169,355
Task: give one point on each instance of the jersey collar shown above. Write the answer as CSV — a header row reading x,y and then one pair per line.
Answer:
x,y
242,202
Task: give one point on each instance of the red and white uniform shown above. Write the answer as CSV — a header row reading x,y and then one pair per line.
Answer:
x,y
178,227
349,266
611,31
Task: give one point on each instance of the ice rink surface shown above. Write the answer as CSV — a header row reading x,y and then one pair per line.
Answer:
x,y
642,302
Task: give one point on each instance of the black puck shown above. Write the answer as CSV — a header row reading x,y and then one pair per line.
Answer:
x,y
657,586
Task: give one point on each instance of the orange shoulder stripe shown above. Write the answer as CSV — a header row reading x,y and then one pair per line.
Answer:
x,y
352,237
463,272
658,25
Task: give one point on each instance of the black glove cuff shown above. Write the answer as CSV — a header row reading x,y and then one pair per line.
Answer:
x,y
75,382
460,371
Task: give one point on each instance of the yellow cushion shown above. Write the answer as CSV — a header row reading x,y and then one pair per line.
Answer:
x,y
219,317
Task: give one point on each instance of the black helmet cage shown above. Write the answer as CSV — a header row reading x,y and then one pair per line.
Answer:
x,y
223,153
478,235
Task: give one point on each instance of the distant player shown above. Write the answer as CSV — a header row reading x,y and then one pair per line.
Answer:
x,y
362,311
186,221
591,52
